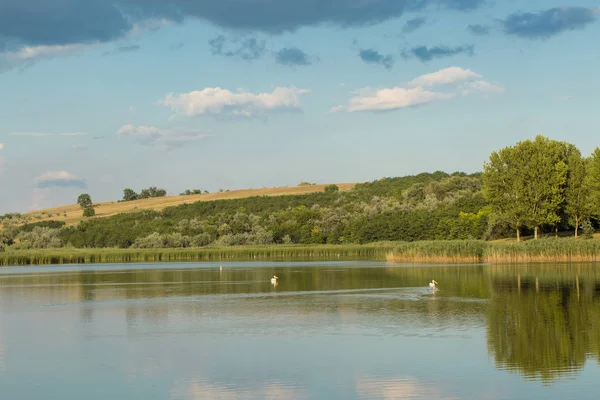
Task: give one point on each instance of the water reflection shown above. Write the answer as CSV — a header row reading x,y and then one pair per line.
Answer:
x,y
544,322
334,330
396,388
201,389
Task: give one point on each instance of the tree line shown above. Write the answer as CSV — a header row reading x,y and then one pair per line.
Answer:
x,y
536,187
543,183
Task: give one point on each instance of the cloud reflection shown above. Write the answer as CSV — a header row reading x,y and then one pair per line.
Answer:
x,y
396,388
201,389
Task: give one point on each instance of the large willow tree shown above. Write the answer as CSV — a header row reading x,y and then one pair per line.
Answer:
x,y
525,183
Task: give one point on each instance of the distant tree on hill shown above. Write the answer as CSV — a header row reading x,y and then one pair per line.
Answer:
x,y
151,192
84,200
189,192
130,195
332,188
306,184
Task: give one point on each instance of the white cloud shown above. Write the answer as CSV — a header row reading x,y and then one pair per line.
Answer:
x,y
214,101
29,55
62,179
35,52
482,87
444,77
420,91
33,134
172,137
392,99
41,134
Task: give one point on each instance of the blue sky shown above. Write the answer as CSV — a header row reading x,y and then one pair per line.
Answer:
x,y
98,96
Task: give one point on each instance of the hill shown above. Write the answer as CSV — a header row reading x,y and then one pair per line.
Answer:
x,y
72,214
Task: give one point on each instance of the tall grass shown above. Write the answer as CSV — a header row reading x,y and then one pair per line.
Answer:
x,y
466,251
445,251
242,253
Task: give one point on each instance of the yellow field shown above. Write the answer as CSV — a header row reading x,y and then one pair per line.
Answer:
x,y
72,214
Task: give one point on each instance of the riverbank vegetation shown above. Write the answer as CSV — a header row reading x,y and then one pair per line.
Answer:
x,y
478,251
375,251
539,187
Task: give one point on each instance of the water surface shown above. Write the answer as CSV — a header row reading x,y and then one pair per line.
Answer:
x,y
337,330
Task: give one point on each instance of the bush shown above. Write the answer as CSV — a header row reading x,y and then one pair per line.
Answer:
x,y
332,188
89,212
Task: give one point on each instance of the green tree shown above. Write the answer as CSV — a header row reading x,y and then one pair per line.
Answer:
x,y
130,195
525,183
332,188
84,200
503,187
594,182
577,190
89,211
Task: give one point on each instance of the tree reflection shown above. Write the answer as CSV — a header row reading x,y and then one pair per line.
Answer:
x,y
543,327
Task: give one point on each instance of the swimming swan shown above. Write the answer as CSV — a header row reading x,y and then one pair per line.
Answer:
x,y
433,284
274,279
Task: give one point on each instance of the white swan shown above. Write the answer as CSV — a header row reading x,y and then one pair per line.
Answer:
x,y
274,279
433,284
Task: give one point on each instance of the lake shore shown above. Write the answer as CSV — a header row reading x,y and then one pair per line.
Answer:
x,y
240,253
478,251
433,252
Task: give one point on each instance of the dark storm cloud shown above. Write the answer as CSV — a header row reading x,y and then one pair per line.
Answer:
x,y
372,56
425,54
549,22
61,22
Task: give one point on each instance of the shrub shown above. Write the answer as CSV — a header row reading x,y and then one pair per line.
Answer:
x,y
332,188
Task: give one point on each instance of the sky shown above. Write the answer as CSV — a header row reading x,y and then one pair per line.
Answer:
x,y
98,96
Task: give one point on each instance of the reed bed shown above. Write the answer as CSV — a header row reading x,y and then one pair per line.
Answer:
x,y
439,251
93,256
474,251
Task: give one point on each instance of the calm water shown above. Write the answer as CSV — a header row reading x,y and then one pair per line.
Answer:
x,y
343,330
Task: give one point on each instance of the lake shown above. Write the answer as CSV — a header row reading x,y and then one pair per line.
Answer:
x,y
327,330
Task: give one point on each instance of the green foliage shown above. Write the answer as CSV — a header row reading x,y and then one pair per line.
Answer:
x,y
587,229
593,181
90,256
578,205
189,192
306,184
39,238
130,195
332,188
452,209
525,184
546,250
89,211
151,192
84,200
42,224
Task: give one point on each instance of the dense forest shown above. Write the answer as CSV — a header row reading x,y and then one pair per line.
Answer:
x,y
535,187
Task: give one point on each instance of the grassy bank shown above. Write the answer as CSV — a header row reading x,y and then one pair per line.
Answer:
x,y
88,256
473,251
71,214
